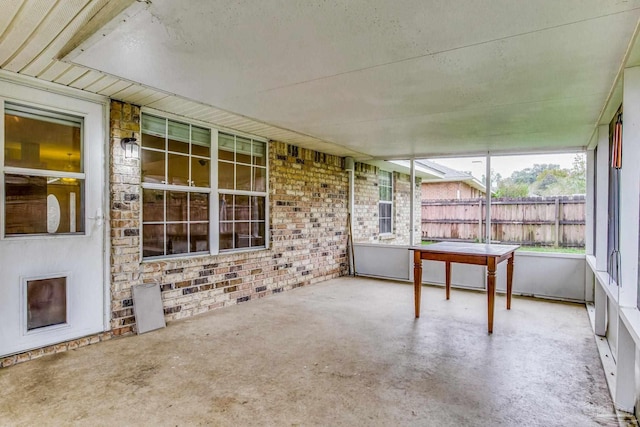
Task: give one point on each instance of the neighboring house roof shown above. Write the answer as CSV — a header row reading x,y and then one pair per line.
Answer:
x,y
450,175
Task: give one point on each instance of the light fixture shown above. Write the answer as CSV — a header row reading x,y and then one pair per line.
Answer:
x,y
130,147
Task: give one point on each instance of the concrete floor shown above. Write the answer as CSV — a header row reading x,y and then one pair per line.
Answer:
x,y
343,352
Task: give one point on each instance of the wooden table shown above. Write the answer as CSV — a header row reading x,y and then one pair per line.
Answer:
x,y
466,253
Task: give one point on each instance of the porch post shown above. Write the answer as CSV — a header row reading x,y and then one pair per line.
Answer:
x,y
487,184
602,198
412,201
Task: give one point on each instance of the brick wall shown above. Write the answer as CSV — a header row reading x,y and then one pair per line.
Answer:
x,y
308,211
448,190
365,217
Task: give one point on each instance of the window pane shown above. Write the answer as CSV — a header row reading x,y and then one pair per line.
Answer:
x,y
39,142
257,208
152,205
225,176
46,302
65,211
243,177
152,240
176,206
259,179
226,147
199,237
199,150
242,206
200,172
153,141
226,235
152,165
257,233
243,235
178,169
259,153
177,239
43,205
199,207
243,150
385,210
153,125
178,131
201,138
178,146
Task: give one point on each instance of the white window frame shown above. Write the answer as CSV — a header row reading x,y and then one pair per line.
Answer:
x,y
385,202
249,193
212,190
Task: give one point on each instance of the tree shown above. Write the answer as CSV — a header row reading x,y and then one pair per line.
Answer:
x,y
530,175
545,180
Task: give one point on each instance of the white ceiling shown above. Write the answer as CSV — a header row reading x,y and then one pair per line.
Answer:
x,y
370,79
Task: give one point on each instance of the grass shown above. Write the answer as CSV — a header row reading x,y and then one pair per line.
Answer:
x,y
545,249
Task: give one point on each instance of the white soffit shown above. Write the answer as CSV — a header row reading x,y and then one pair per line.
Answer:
x,y
386,79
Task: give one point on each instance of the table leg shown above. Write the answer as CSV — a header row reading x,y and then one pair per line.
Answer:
x,y
509,279
417,280
448,278
491,290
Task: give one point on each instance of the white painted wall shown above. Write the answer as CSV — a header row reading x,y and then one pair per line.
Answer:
x,y
563,278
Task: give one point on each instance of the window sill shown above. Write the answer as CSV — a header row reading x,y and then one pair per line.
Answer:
x,y
184,257
386,236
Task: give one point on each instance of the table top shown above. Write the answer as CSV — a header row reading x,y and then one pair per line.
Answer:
x,y
483,249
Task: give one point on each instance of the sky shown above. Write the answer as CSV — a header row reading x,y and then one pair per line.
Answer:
x,y
506,165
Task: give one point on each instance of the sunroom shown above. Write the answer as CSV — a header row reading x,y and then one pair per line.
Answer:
x,y
224,152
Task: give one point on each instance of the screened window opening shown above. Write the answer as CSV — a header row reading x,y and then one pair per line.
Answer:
x,y
385,204
43,172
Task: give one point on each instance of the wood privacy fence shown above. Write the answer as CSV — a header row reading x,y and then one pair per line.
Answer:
x,y
532,221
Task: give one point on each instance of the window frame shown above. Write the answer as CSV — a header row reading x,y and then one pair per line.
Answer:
x,y
248,193
212,190
386,202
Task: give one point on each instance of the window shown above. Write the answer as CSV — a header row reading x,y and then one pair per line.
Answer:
x,y
43,172
242,191
178,185
385,187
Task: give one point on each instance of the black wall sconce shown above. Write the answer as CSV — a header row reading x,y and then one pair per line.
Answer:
x,y
130,147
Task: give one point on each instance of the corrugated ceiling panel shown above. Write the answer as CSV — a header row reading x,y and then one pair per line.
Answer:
x,y
195,110
165,104
71,75
25,23
128,92
39,63
181,106
114,88
87,80
49,29
144,93
56,69
154,97
101,84
9,10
